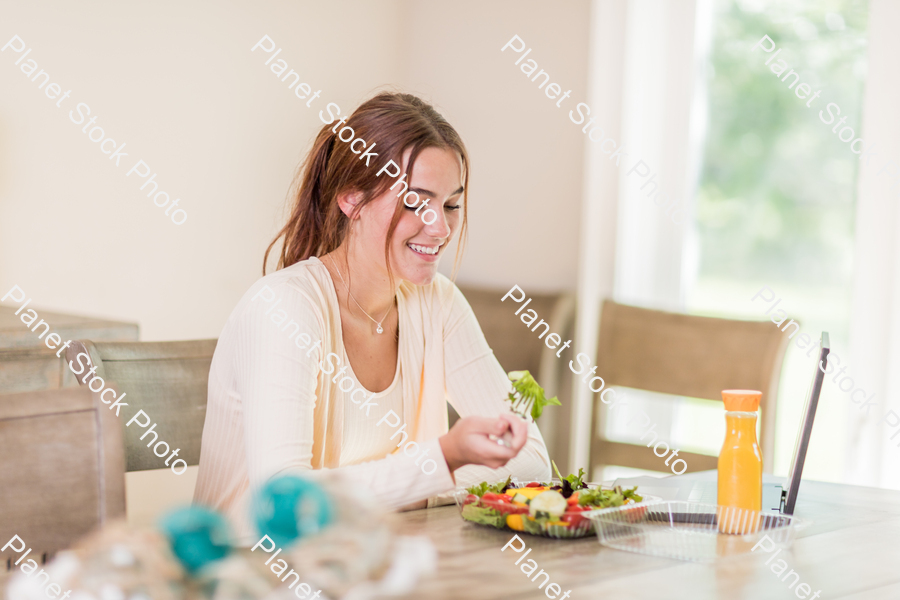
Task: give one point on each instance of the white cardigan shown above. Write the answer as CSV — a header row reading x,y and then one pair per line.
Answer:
x,y
271,410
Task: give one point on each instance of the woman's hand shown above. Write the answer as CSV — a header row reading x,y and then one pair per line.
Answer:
x,y
467,442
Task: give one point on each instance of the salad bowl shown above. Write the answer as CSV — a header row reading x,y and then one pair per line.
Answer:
x,y
557,509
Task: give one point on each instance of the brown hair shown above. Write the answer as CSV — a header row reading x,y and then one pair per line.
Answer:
x,y
394,122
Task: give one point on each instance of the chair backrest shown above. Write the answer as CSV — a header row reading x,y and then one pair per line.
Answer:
x,y
686,355
168,381
62,473
514,345
31,370
14,333
518,348
27,362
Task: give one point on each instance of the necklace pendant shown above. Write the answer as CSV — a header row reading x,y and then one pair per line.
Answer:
x,y
379,329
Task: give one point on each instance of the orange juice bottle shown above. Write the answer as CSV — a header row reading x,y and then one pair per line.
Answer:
x,y
740,464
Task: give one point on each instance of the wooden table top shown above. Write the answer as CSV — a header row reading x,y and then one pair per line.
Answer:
x,y
850,549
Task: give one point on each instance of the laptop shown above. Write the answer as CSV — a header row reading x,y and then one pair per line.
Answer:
x,y
774,496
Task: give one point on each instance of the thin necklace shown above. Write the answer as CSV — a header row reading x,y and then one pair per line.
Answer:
x,y
380,329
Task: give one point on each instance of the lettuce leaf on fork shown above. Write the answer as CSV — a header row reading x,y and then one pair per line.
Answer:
x,y
528,395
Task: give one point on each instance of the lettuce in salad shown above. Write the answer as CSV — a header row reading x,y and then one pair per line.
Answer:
x,y
571,483
484,487
599,498
484,516
535,526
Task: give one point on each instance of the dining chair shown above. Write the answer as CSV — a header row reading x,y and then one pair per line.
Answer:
x,y
684,355
62,472
167,380
519,348
31,369
28,364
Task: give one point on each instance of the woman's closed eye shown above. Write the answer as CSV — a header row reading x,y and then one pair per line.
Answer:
x,y
446,207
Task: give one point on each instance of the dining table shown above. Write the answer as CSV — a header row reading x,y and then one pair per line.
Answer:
x,y
847,546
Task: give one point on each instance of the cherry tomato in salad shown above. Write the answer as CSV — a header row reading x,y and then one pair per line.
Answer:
x,y
509,509
534,484
574,518
471,499
502,503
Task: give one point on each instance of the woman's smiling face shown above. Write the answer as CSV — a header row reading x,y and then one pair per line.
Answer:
x,y
417,246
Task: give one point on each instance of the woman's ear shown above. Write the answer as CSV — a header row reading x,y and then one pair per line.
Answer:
x,y
347,202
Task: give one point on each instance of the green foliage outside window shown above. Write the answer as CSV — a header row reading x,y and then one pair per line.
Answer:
x,y
777,190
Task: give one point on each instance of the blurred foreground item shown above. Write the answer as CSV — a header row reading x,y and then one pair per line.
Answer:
x,y
62,471
683,355
347,549
167,380
27,364
115,562
336,541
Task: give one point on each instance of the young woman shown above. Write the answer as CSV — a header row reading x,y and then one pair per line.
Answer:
x,y
345,357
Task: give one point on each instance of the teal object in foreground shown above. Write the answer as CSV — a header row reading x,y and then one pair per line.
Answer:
x,y
198,536
288,508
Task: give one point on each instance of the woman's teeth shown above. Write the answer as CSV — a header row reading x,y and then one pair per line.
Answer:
x,y
424,249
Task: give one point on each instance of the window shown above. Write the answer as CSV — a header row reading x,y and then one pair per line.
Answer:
x,y
776,196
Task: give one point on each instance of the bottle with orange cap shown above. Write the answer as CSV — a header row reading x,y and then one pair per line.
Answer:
x,y
740,461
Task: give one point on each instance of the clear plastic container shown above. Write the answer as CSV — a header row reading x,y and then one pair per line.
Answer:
x,y
688,530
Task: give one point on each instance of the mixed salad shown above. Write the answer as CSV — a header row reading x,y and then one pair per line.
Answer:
x,y
554,509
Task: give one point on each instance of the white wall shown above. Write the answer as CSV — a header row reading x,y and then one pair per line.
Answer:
x,y
526,176
178,84
873,457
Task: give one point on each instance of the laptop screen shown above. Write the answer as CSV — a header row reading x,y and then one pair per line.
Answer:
x,y
803,434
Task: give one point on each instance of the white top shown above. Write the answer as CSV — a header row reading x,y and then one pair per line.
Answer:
x,y
273,409
362,441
